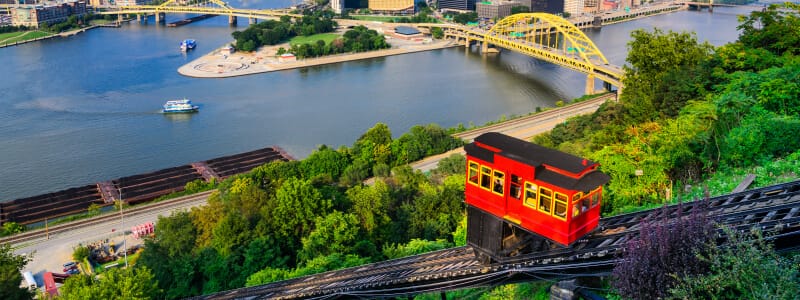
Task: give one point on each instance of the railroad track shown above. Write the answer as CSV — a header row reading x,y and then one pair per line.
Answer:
x,y
775,209
40,233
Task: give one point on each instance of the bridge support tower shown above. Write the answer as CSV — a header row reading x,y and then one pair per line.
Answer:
x,y
589,84
232,20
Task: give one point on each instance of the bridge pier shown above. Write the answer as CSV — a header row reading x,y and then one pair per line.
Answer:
x,y
160,17
252,20
466,44
138,17
120,18
589,84
484,47
232,20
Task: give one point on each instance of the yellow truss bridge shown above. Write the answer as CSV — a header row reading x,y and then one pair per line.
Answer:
x,y
546,37
213,7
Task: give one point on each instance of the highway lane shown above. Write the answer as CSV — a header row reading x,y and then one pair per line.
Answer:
x,y
50,254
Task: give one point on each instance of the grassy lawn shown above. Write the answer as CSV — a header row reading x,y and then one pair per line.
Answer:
x,y
101,21
327,37
11,37
374,18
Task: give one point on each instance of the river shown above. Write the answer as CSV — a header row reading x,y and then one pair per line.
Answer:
x,y
86,108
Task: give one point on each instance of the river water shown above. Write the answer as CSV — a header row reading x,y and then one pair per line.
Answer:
x,y
86,108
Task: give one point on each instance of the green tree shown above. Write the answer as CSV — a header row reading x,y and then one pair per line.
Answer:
x,y
774,29
335,233
131,283
324,161
12,228
11,267
298,205
80,253
746,267
437,33
371,205
414,247
653,65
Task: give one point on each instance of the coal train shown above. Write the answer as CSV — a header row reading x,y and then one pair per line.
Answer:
x,y
522,197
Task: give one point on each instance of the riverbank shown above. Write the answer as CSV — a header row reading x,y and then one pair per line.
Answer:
x,y
217,65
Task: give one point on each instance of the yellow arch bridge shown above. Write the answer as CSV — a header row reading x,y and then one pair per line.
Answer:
x,y
213,7
546,37
540,35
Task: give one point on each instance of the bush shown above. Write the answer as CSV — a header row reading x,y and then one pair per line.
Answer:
x,y
746,267
80,253
662,253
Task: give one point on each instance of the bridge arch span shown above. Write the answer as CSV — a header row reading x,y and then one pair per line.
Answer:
x,y
540,28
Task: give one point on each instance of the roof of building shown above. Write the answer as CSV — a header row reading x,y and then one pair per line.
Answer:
x,y
406,30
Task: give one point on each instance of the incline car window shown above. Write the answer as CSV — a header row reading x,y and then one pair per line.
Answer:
x,y
545,199
486,177
499,180
576,204
473,172
530,194
596,196
515,186
561,206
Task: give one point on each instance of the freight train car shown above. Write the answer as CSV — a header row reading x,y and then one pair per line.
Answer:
x,y
522,197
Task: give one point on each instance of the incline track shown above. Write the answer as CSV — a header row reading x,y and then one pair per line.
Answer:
x,y
774,209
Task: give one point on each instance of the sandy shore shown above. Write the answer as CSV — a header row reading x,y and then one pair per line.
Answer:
x,y
216,65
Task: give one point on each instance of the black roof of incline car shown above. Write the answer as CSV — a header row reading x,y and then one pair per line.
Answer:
x,y
537,156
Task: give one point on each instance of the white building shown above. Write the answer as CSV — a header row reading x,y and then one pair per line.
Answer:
x,y
573,7
337,6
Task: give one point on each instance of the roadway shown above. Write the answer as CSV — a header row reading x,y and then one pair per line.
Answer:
x,y
50,254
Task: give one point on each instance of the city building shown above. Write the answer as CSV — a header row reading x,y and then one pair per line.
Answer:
x,y
25,2
337,6
591,6
457,5
548,6
392,7
33,16
573,7
495,9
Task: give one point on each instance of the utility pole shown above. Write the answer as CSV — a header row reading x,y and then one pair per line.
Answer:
x,y
122,218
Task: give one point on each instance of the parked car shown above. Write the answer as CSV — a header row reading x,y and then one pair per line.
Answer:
x,y
70,264
70,268
73,271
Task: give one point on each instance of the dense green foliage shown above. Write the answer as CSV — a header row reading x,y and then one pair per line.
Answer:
x,y
10,228
11,268
744,268
463,18
288,219
132,283
12,28
72,22
273,32
358,39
